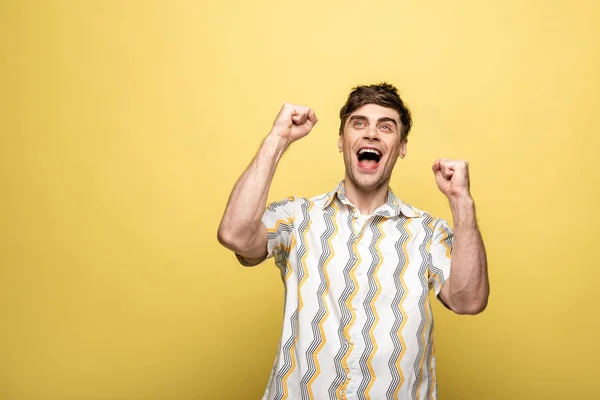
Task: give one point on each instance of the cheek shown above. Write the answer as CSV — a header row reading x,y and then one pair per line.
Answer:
x,y
347,146
394,148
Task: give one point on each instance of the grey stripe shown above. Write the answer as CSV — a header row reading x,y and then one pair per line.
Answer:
x,y
274,205
326,253
287,359
346,315
449,240
402,263
373,288
426,257
289,228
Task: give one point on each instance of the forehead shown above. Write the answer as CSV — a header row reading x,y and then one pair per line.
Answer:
x,y
375,111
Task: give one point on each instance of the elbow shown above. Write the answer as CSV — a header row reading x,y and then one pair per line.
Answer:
x,y
226,238
473,307
233,240
469,303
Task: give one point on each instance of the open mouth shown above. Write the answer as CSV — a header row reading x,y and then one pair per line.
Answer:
x,y
368,157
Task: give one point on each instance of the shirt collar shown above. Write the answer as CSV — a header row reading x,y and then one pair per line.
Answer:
x,y
392,208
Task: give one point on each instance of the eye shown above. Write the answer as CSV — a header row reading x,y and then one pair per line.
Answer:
x,y
359,124
386,127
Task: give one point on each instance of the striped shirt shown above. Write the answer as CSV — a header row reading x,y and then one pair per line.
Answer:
x,y
357,320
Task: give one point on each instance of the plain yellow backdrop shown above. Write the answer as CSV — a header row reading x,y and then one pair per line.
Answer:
x,y
124,125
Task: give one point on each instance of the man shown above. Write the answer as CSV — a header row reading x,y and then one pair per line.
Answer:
x,y
358,262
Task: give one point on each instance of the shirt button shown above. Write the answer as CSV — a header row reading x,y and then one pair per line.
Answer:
x,y
351,341
359,272
355,307
349,376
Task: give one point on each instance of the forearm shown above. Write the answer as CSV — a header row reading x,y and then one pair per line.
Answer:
x,y
246,205
468,284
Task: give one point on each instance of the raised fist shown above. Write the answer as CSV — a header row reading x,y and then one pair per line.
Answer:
x,y
294,122
452,177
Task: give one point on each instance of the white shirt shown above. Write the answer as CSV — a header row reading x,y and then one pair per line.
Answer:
x,y
357,319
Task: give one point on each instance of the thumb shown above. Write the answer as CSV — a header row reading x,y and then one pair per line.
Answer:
x,y
298,118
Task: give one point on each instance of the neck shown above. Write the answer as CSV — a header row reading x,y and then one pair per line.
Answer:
x,y
367,200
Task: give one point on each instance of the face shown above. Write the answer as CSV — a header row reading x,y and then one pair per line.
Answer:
x,y
371,145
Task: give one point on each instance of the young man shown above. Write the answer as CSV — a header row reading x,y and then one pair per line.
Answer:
x,y
358,262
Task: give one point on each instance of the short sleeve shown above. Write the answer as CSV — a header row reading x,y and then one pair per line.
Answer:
x,y
278,218
441,254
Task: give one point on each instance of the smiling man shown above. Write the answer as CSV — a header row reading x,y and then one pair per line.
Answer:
x,y
358,262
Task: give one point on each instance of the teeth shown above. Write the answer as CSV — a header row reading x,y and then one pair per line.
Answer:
x,y
369,151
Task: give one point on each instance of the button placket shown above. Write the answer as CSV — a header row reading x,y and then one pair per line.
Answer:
x,y
355,338
350,385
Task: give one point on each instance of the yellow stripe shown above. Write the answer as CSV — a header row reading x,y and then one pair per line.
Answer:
x,y
443,241
372,305
286,222
404,315
323,298
300,303
428,247
288,273
353,318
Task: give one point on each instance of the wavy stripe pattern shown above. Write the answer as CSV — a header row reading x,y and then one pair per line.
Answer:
x,y
357,317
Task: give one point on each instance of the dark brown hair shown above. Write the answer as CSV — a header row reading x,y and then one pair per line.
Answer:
x,y
382,94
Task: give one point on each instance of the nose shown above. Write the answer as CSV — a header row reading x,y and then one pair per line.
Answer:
x,y
371,134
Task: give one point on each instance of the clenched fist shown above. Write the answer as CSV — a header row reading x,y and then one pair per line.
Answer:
x,y
293,122
452,177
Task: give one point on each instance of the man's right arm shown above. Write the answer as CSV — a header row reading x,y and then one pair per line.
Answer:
x,y
241,229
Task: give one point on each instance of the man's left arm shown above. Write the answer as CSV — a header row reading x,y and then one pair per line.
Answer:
x,y
467,289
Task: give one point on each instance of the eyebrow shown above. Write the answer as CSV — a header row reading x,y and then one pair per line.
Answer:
x,y
387,119
380,120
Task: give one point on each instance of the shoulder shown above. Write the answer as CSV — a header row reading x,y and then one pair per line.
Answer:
x,y
318,200
306,205
295,204
427,219
288,201
432,224
410,211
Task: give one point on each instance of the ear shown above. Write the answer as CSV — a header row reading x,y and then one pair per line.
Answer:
x,y
341,142
402,152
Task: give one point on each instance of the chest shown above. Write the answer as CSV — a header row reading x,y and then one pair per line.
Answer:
x,y
349,254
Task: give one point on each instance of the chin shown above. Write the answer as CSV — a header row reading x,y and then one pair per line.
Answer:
x,y
367,182
363,180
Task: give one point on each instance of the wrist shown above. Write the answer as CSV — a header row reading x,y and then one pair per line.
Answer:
x,y
275,145
463,210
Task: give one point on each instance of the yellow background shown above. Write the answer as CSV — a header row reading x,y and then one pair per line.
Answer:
x,y
124,125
